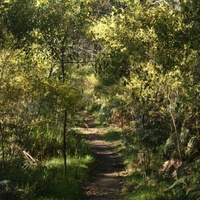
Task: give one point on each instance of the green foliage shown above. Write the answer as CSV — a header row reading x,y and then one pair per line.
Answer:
x,y
188,183
8,190
19,17
46,180
59,187
150,62
147,191
112,136
145,55
76,143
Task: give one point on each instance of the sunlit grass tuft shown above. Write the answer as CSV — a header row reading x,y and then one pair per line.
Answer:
x,y
148,192
64,187
112,136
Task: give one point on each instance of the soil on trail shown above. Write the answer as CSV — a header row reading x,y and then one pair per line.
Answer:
x,y
107,177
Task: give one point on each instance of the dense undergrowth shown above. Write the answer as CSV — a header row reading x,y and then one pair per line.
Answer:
x,y
131,63
148,179
22,179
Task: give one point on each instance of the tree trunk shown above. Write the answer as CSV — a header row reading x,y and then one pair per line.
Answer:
x,y
65,111
2,148
64,141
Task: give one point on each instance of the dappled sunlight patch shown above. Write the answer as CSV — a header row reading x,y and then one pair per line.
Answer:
x,y
76,166
54,162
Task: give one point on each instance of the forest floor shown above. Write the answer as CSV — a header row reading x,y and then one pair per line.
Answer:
x,y
106,180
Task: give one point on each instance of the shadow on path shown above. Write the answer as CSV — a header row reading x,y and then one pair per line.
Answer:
x,y
108,174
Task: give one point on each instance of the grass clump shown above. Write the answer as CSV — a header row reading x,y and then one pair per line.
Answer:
x,y
64,187
112,136
149,191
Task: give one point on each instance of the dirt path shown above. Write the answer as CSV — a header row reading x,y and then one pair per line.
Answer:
x,y
108,174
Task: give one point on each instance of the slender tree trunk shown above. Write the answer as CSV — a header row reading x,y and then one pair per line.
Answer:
x,y
65,113
64,141
2,148
174,125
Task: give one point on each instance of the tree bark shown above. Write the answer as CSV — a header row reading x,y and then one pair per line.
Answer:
x,y
64,142
65,111
2,147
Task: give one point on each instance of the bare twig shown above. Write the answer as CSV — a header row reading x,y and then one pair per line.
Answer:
x,y
29,158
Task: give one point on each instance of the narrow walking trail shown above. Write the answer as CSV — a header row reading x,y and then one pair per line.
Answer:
x,y
107,177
